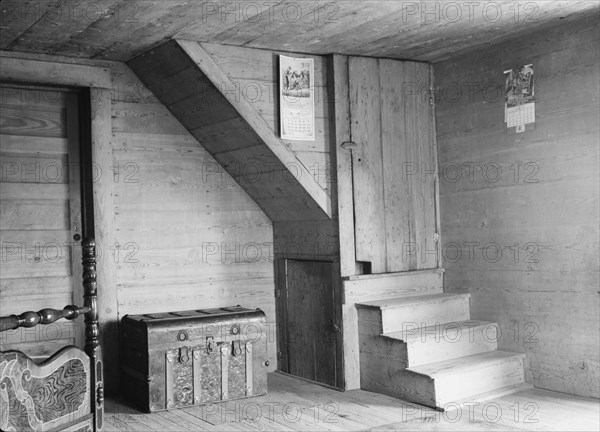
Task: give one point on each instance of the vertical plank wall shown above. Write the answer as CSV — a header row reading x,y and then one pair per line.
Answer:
x,y
36,268
543,286
393,164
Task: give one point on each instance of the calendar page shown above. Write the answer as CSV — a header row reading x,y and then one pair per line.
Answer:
x,y
297,98
520,115
519,108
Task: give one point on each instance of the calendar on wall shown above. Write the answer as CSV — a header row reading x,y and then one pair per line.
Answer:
x,y
297,98
519,109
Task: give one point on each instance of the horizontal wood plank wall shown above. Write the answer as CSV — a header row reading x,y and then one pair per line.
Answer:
x,y
51,70
35,221
524,240
187,235
232,130
254,74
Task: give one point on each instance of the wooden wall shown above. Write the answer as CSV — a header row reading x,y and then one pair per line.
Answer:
x,y
189,236
255,77
36,223
364,288
255,73
543,287
393,164
186,236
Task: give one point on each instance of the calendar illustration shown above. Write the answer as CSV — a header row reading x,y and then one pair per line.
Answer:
x,y
296,98
519,108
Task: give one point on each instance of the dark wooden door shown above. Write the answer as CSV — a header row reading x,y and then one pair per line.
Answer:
x,y
310,333
394,164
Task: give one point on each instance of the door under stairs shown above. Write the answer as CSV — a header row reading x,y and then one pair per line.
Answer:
x,y
425,349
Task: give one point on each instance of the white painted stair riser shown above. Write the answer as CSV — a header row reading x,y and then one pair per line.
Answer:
x,y
429,313
450,340
451,389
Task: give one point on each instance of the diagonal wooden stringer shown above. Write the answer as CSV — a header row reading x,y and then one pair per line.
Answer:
x,y
186,79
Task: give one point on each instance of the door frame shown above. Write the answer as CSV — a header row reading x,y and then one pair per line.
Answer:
x,y
75,139
94,79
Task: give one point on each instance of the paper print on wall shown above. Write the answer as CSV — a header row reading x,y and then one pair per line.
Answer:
x,y
519,97
297,98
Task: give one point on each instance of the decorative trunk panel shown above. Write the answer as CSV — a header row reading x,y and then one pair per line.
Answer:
x,y
179,359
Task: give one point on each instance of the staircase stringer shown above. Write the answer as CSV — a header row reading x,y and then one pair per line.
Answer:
x,y
219,78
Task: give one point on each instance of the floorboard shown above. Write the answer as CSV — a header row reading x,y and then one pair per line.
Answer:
x,y
297,405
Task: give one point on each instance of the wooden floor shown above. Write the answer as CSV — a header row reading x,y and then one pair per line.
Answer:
x,y
296,405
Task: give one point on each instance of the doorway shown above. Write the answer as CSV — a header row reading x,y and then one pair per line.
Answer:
x,y
310,337
42,138
394,164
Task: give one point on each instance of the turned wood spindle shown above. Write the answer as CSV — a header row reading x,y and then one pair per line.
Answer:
x,y
92,333
44,316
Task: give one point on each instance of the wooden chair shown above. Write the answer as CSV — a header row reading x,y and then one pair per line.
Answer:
x,y
64,392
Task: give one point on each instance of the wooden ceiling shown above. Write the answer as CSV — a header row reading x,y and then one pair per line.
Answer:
x,y
427,30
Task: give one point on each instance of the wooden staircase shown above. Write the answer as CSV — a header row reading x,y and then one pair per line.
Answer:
x,y
425,349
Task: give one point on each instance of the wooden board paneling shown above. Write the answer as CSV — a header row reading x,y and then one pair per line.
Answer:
x,y
21,294
397,138
541,211
23,168
340,98
31,144
300,174
121,29
186,235
378,287
34,215
103,216
27,120
310,339
393,164
365,111
208,99
169,200
35,228
362,410
316,242
151,118
35,71
257,81
310,240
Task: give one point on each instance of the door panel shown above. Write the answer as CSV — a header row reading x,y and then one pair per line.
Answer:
x,y
394,164
40,212
365,111
310,336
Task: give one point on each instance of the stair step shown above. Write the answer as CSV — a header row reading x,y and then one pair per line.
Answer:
x,y
459,379
462,364
492,394
446,341
399,302
403,313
